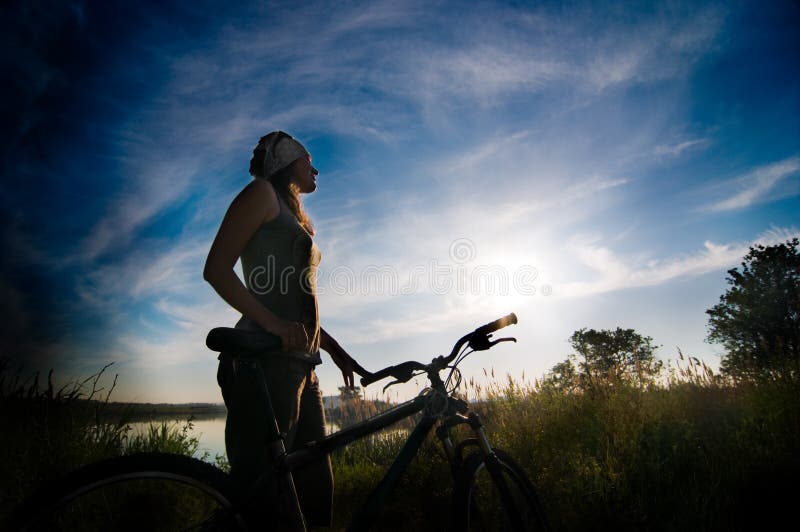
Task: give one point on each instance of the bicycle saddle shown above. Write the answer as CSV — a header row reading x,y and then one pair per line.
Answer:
x,y
241,342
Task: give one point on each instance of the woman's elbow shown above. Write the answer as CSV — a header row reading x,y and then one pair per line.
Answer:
x,y
210,274
217,271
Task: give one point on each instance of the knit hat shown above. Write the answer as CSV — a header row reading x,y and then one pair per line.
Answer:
x,y
279,151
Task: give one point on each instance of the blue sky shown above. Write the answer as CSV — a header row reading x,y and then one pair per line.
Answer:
x,y
607,161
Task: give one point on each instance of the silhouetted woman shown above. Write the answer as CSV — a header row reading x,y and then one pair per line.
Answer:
x,y
268,229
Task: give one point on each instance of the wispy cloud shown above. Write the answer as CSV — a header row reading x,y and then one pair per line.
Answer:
x,y
759,185
480,73
143,196
491,147
184,344
613,272
675,150
158,269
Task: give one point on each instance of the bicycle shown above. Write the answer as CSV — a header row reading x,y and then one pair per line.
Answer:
x,y
490,490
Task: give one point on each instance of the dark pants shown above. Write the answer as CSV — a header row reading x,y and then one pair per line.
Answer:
x,y
297,403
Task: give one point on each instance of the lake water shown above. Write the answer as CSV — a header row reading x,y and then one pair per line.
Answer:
x,y
210,432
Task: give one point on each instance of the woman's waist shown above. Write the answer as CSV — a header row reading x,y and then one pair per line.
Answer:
x,y
311,326
310,323
300,305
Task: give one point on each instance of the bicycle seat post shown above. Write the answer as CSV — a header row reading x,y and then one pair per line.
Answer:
x,y
275,446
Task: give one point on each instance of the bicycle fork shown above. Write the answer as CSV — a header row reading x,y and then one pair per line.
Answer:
x,y
454,452
455,457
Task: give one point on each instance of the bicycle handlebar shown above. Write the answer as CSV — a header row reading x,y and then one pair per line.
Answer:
x,y
498,324
404,371
401,372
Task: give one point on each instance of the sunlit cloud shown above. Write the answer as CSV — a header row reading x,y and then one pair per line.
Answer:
x,y
761,184
675,150
183,344
613,272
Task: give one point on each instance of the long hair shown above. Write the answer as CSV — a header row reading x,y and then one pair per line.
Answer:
x,y
288,191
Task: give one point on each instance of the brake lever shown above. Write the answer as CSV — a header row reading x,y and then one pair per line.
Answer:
x,y
402,373
390,384
507,339
482,342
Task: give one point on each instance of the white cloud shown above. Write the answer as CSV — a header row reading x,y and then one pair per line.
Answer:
x,y
374,16
491,148
480,73
654,48
143,196
675,150
184,344
155,269
761,184
613,272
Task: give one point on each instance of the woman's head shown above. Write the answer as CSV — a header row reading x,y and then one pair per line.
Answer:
x,y
274,152
286,164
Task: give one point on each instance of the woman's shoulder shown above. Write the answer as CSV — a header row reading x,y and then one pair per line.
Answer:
x,y
259,195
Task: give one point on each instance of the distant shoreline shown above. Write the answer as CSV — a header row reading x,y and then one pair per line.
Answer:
x,y
164,411
335,412
136,412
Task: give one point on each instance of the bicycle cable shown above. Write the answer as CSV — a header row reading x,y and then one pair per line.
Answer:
x,y
461,355
453,366
451,389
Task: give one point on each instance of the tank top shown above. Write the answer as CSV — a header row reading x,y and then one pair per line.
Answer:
x,y
279,264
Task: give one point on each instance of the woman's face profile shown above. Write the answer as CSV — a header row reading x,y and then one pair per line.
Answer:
x,y
304,175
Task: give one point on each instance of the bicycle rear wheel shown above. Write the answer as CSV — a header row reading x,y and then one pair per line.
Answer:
x,y
147,491
479,504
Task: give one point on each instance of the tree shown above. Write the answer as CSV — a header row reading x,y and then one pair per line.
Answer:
x,y
621,353
757,319
564,376
347,393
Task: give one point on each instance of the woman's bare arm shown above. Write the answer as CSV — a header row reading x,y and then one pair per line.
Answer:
x,y
256,204
341,358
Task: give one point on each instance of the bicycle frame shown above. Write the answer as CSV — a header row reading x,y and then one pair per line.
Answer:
x,y
436,403
450,413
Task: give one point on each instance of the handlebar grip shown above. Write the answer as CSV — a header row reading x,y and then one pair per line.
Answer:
x,y
497,324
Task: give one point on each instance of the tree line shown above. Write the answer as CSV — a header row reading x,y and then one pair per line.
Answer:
x,y
757,322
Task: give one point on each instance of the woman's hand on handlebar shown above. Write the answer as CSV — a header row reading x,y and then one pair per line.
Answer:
x,y
293,335
346,364
341,358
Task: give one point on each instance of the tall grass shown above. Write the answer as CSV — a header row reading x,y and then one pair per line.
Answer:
x,y
49,431
683,450
676,448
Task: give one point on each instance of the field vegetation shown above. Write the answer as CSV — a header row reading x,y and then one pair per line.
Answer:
x,y
48,431
683,449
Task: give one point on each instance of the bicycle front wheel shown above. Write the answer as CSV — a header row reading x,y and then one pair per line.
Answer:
x,y
147,491
509,502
